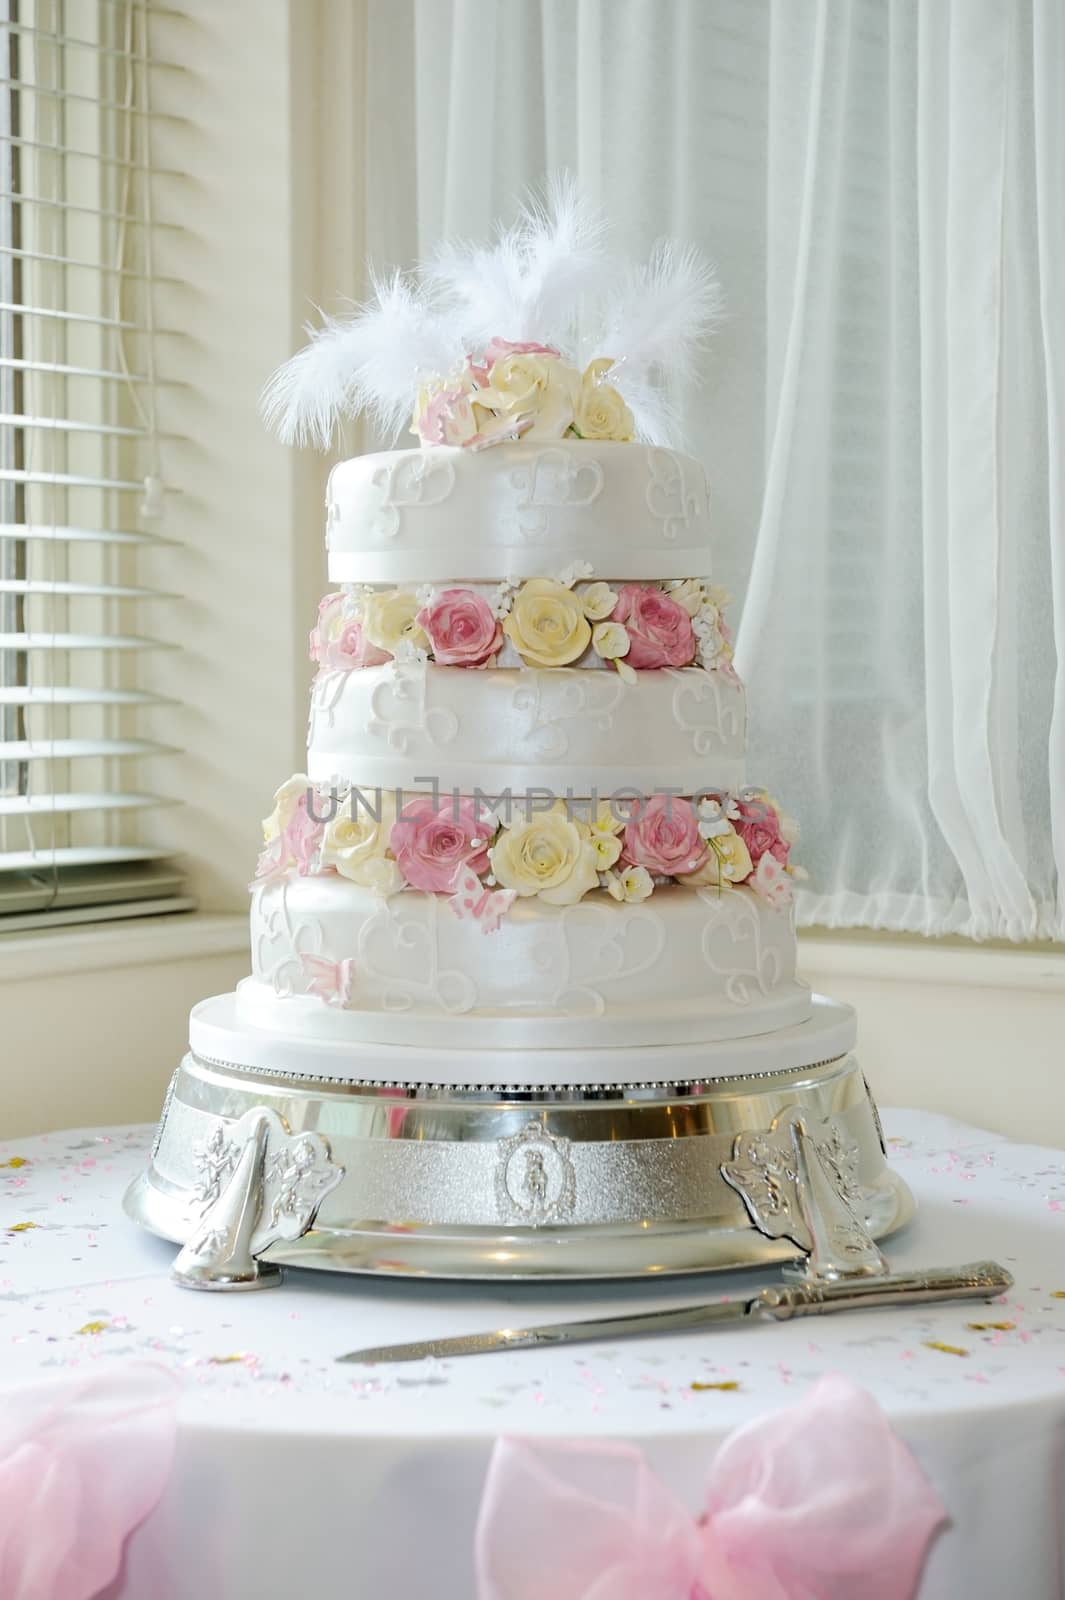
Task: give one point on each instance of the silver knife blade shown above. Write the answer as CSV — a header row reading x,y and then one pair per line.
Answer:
x,y
979,1280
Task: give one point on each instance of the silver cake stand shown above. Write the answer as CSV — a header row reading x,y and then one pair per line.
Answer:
x,y
254,1167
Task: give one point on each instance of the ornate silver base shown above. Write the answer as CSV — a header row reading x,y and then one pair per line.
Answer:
x,y
250,1170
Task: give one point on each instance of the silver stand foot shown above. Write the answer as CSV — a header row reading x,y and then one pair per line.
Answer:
x,y
799,1182
258,1186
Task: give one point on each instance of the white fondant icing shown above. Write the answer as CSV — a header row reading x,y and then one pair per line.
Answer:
x,y
418,516
557,728
687,966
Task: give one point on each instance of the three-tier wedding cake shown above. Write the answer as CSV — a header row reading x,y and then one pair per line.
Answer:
x,y
524,876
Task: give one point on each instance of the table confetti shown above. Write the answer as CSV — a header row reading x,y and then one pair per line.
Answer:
x,y
730,1386
946,1349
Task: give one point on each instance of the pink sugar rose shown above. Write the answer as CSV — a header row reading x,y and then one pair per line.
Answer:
x,y
353,649
462,630
758,825
659,629
303,836
663,836
337,652
497,348
447,419
434,845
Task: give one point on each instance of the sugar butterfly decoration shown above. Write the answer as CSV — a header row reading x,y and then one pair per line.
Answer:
x,y
472,902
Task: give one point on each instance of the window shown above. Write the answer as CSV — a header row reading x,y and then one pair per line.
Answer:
x,y
83,496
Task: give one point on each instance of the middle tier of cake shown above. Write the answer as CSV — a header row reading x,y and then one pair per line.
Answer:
x,y
333,961
410,724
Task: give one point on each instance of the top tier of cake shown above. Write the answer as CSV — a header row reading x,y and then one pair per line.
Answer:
x,y
529,508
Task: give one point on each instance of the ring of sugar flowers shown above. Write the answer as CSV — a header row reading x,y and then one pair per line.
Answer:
x,y
521,389
558,854
550,622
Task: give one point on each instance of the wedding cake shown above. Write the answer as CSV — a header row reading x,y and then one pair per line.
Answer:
x,y
521,932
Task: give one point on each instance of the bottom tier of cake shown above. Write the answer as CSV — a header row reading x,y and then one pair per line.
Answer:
x,y
551,1181
337,964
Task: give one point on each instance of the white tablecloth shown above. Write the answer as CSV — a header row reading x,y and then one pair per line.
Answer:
x,y
295,1476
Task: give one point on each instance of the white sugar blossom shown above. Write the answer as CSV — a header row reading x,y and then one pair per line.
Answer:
x,y
574,573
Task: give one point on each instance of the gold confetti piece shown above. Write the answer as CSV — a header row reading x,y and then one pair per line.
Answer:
x,y
1057,1294
726,1388
16,1161
94,1327
991,1327
21,1227
225,1361
947,1349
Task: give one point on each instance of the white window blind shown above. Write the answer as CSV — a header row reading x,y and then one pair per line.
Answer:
x,y
83,491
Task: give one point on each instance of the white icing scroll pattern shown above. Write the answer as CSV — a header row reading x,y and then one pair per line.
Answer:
x,y
549,481
326,691
669,498
694,690
282,942
399,710
732,945
555,697
399,956
420,479
592,947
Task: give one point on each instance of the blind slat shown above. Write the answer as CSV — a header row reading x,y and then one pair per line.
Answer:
x,y
32,805
79,749
78,856
64,586
81,264
65,694
65,151
127,218
82,641
59,533
12,419
17,308
68,41
77,480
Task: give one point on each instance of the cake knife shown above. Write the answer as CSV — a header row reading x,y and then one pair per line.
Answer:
x,y
980,1280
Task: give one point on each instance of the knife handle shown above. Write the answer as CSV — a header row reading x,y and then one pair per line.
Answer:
x,y
980,1280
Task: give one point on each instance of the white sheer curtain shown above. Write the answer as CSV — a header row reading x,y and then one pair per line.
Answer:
x,y
882,185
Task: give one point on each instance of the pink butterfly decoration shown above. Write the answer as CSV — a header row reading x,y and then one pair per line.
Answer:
x,y
329,980
473,902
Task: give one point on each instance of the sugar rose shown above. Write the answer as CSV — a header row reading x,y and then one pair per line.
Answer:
x,y
356,844
461,628
546,624
727,861
532,383
432,843
659,628
292,835
546,854
663,836
599,412
758,824
390,617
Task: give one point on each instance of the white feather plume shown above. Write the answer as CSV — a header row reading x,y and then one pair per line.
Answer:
x,y
531,283
540,280
655,324
372,362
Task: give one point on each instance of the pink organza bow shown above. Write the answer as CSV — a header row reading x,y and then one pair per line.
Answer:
x,y
81,1465
819,1502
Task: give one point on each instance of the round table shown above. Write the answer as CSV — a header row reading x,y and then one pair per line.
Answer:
x,y
297,1475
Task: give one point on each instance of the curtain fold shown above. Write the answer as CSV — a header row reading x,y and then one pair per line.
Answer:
x,y
880,183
